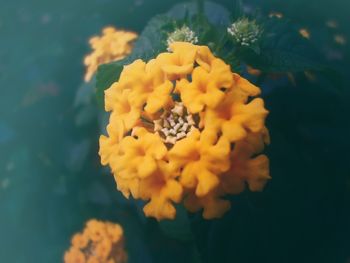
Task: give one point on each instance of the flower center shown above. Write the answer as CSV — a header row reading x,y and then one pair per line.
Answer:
x,y
175,124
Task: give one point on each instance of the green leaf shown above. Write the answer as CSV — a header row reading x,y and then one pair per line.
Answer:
x,y
106,75
196,257
151,40
85,104
85,93
85,115
282,49
215,13
284,61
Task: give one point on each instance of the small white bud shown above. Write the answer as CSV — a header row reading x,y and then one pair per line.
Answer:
x,y
181,135
170,139
165,131
177,126
157,125
166,124
184,127
178,109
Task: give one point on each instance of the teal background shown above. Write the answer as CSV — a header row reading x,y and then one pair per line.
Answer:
x,y
50,176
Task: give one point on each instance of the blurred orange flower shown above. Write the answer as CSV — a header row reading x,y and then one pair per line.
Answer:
x,y
100,242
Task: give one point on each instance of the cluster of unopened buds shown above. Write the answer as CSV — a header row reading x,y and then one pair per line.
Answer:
x,y
99,242
245,32
184,127
182,34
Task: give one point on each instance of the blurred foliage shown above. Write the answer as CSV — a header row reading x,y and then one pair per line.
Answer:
x,y
280,47
283,49
51,180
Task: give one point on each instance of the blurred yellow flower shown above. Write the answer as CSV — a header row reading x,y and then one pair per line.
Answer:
x,y
332,23
113,45
276,14
100,242
96,230
74,255
340,39
304,33
253,71
181,128
80,240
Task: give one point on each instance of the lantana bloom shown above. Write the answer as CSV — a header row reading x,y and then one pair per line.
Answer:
x,y
113,45
185,128
99,242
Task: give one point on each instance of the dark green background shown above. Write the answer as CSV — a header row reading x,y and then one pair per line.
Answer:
x,y
50,176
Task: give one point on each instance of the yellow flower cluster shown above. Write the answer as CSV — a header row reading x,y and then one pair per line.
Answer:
x,y
113,45
100,242
183,126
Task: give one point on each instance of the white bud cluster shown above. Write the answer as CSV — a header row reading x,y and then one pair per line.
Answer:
x,y
174,125
183,34
245,32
